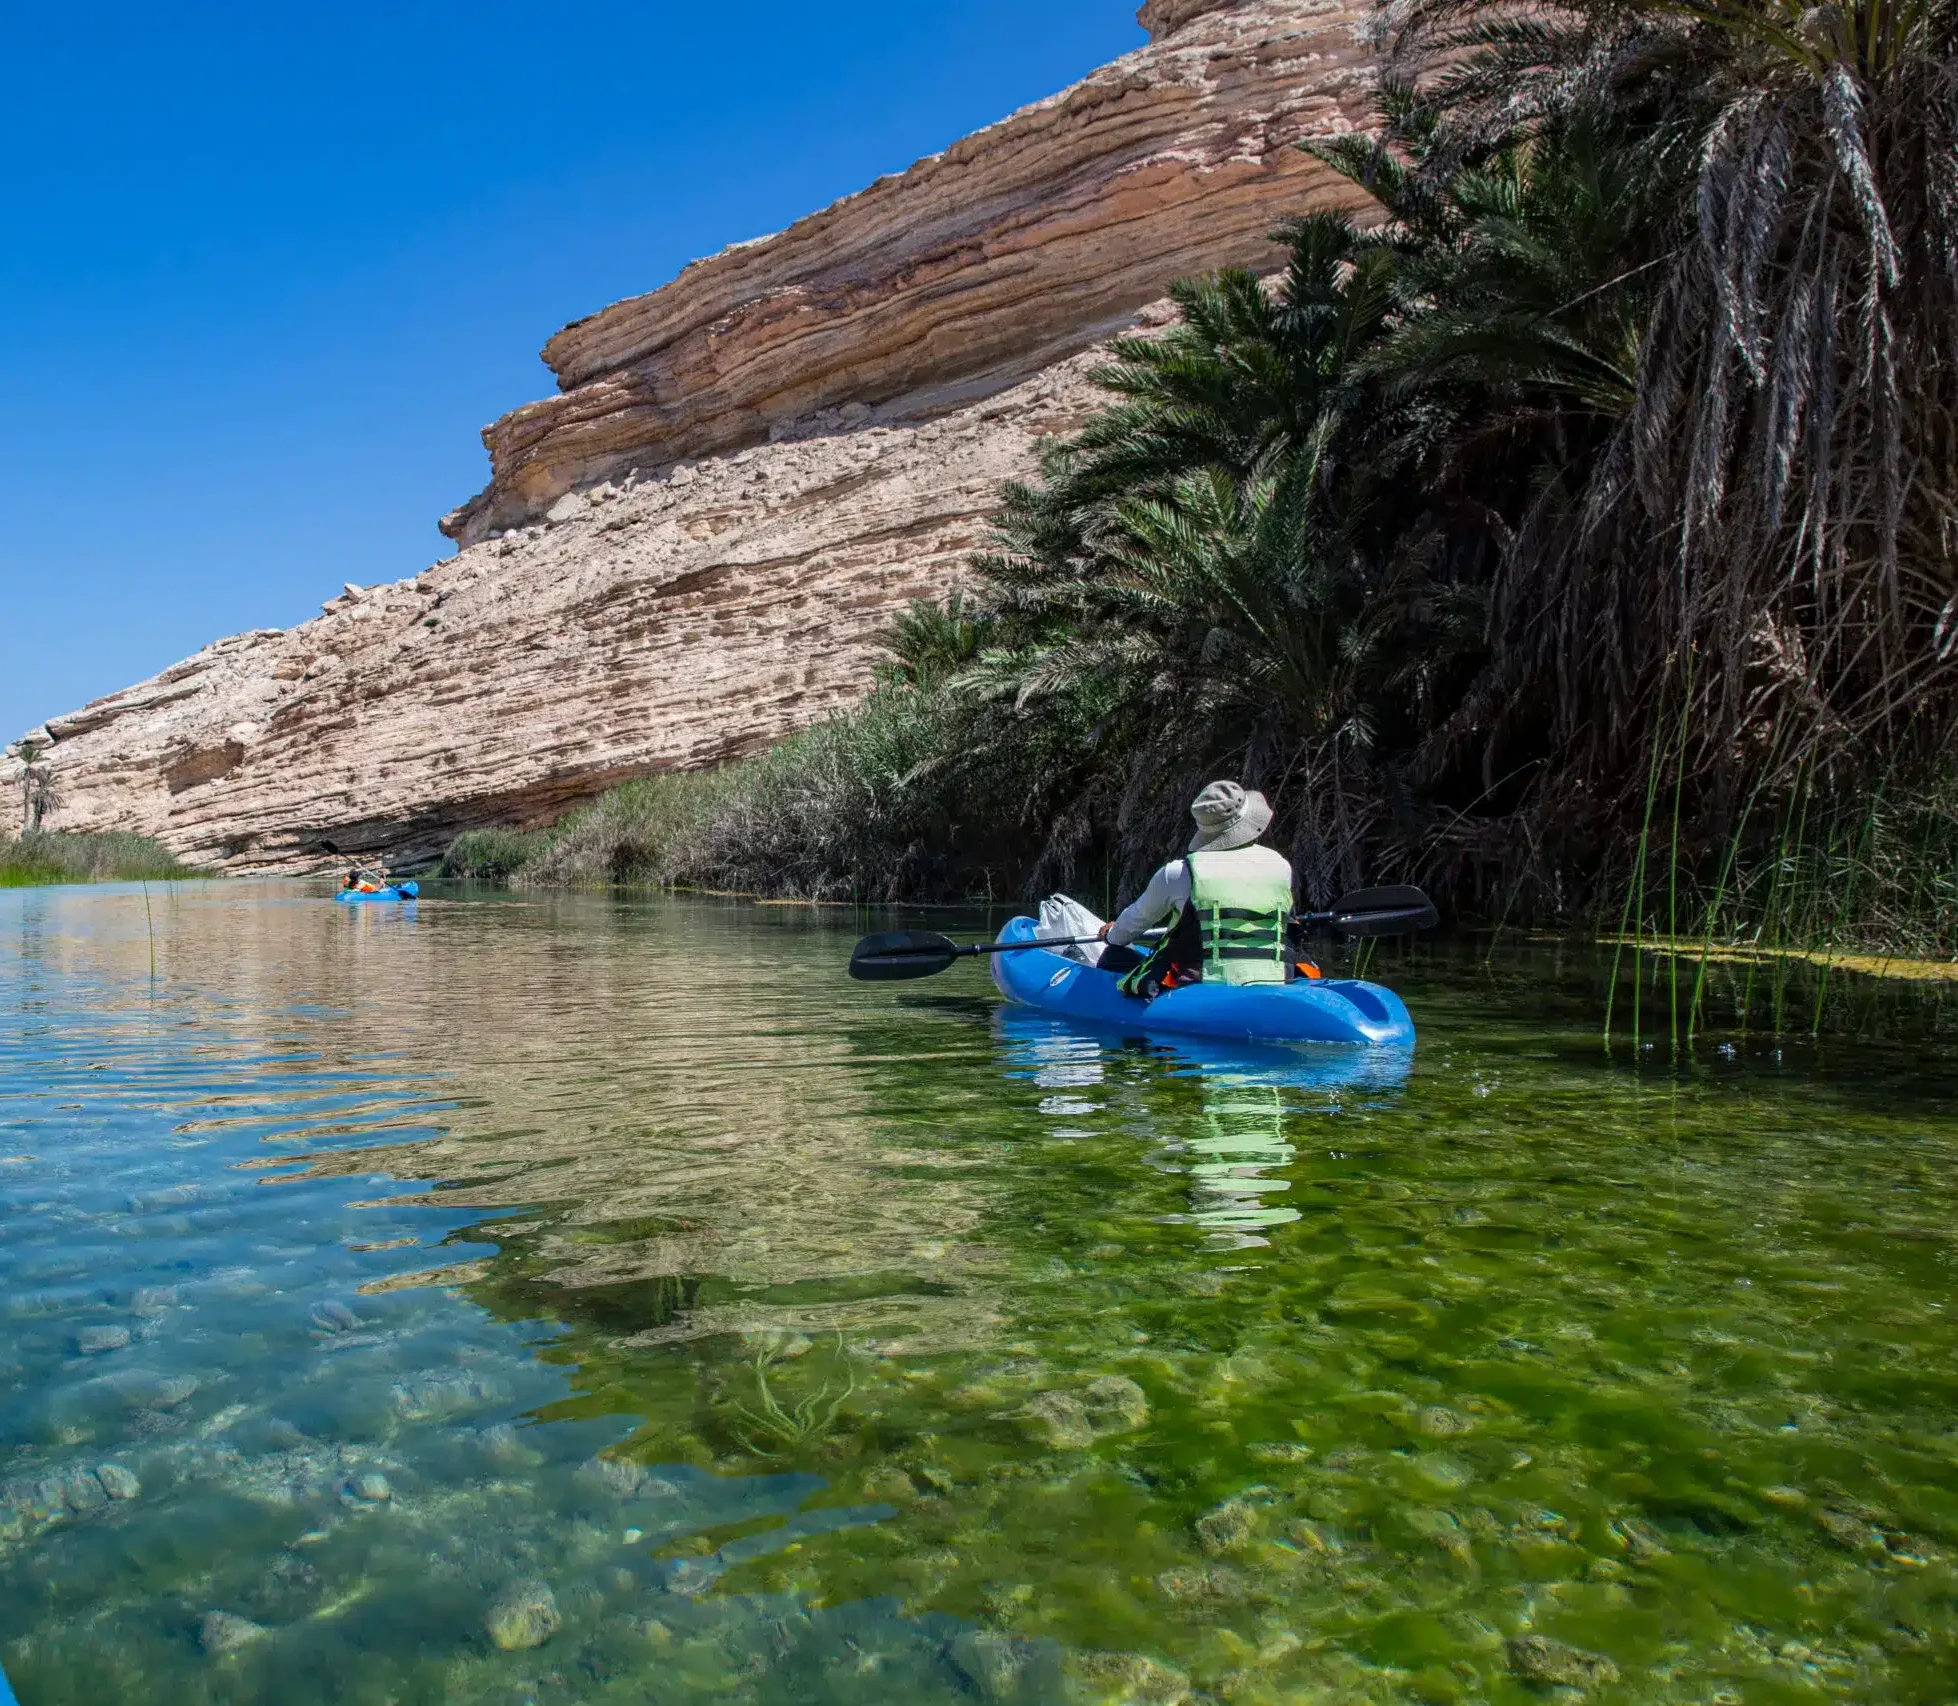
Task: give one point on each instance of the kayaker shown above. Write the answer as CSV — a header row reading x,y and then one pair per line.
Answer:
x,y
1227,903
359,884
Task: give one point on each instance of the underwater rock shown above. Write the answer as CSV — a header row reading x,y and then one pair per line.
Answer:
x,y
429,1397
613,1475
991,1662
371,1488
1064,1422
888,1484
1851,1533
1537,1658
333,1316
1642,1542
1310,1536
118,1482
1437,1421
1228,1527
1442,1529
524,1615
1280,1451
224,1632
1057,1420
151,1391
93,1341
505,1448
83,1491
1115,1404
289,1570
1216,1584
1125,1679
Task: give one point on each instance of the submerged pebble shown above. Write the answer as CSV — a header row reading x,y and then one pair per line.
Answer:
x,y
888,1484
991,1662
333,1316
1126,1679
93,1341
1228,1527
1115,1404
524,1615
1537,1658
118,1482
224,1632
1437,1421
618,1476
1058,1420
1200,1586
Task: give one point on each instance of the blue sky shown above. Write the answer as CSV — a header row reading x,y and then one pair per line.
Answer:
x,y
265,271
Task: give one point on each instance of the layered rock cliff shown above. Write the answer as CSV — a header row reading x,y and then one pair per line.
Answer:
x,y
687,552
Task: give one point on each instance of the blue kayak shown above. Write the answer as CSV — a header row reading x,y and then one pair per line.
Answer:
x,y
394,891
1326,1010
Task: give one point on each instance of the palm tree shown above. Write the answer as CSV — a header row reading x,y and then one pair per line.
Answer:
x,y
1209,577
1767,548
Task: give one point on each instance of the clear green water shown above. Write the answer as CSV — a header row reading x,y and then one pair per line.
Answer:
x,y
813,1342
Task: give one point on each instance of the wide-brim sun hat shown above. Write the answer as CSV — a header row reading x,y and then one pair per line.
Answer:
x,y
1228,816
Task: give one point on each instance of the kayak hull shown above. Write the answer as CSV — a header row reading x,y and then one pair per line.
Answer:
x,y
396,892
1326,1010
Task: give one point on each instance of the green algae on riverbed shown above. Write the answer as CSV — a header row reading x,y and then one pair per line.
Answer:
x,y
814,1343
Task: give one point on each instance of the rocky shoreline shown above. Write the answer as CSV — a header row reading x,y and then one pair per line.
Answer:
x,y
686,553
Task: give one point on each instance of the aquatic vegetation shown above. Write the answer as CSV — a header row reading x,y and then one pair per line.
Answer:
x,y
802,1345
772,1430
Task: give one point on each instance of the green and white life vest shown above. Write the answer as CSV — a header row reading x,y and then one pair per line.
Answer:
x,y
1239,904
1242,900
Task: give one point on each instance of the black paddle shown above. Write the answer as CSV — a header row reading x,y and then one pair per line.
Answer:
x,y
895,956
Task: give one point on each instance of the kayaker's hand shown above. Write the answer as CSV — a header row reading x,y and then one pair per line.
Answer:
x,y
1102,933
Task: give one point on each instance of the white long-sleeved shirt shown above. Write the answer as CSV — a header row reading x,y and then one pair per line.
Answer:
x,y
1168,889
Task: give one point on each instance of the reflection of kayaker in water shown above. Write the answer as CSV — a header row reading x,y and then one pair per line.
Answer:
x,y
1227,904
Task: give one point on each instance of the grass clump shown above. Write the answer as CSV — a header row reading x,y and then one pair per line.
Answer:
x,y
878,803
44,856
493,855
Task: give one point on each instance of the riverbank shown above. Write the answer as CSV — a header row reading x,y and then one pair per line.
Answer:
x,y
900,801
46,856
1460,602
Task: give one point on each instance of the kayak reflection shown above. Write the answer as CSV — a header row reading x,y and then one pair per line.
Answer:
x,y
1249,1100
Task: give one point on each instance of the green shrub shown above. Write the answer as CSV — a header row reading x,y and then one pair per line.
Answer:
x,y
50,856
493,855
640,833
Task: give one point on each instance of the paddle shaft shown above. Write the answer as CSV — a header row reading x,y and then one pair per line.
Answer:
x,y
974,948
359,869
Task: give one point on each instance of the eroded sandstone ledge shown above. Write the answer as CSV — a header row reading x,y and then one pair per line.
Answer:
x,y
1020,245
686,554
679,620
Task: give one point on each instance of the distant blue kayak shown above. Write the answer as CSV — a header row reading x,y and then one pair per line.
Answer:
x,y
395,892
1326,1010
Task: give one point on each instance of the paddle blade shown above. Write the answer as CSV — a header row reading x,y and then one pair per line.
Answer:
x,y
1384,912
898,955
